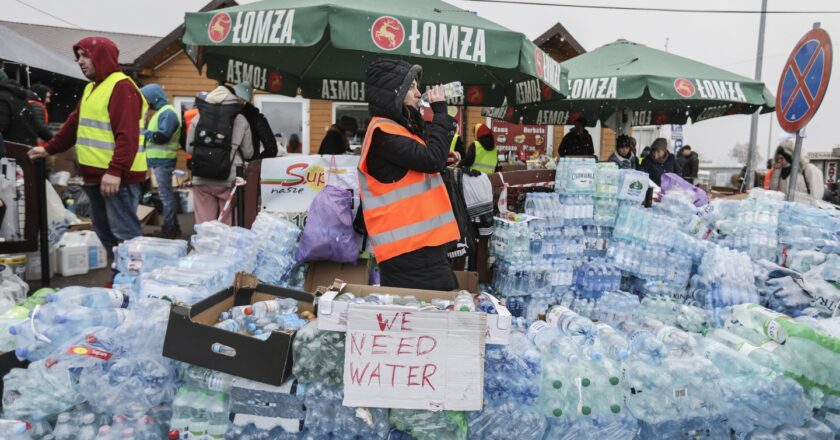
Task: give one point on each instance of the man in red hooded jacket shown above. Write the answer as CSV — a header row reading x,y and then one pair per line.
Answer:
x,y
105,128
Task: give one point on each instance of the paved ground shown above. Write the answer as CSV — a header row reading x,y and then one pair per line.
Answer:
x,y
100,277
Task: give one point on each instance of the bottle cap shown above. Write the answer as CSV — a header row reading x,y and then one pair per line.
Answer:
x,y
615,409
88,418
613,380
585,382
557,412
63,417
586,410
248,311
557,384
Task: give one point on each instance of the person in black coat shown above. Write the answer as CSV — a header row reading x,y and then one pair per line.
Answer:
x,y
623,156
660,161
688,163
17,122
387,84
337,139
578,141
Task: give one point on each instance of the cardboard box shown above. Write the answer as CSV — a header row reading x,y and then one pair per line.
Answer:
x,y
85,225
190,333
332,315
324,273
145,213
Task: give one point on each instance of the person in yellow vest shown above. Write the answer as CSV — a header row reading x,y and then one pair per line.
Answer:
x,y
482,155
405,205
163,129
106,128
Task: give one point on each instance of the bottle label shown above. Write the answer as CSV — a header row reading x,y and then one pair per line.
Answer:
x,y
81,350
134,266
680,393
775,331
746,348
117,299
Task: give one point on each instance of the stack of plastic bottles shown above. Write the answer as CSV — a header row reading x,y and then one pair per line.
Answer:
x,y
756,227
261,318
606,194
575,183
633,186
276,245
200,408
642,240
326,417
678,204
145,254
18,314
728,278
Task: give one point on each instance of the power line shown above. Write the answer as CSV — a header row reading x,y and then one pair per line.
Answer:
x,y
629,8
48,14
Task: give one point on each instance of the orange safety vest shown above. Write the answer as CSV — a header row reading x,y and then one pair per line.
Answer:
x,y
406,215
767,178
189,115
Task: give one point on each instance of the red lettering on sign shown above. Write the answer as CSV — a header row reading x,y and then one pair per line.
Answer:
x,y
376,344
429,339
383,324
426,375
300,179
375,373
403,344
404,325
394,371
357,375
413,374
354,347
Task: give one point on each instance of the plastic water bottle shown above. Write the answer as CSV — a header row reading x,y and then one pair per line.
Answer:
x,y
218,417
64,427
181,414
93,297
199,417
464,302
451,90
87,427
570,323
611,343
75,320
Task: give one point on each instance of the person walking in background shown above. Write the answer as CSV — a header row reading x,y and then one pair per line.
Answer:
x,y
660,161
623,155
17,121
577,142
337,139
405,205
106,130
219,140
262,137
482,155
688,164
809,185
161,135
39,98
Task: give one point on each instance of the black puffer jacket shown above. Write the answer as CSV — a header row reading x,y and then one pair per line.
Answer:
x,y
391,156
17,123
262,137
656,169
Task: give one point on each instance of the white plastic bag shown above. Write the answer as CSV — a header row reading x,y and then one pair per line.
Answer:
x,y
58,216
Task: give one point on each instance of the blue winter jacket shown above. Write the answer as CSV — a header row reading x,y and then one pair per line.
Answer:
x,y
167,121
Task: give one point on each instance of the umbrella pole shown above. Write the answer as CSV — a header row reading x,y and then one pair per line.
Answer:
x,y
794,167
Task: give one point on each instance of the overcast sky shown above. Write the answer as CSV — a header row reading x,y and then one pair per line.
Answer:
x,y
727,41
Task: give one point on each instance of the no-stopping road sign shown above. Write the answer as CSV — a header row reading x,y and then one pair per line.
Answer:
x,y
804,80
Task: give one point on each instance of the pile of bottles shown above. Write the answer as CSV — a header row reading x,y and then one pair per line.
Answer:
x,y
756,229
606,194
594,277
326,417
200,409
461,301
319,355
145,254
262,317
727,278
277,246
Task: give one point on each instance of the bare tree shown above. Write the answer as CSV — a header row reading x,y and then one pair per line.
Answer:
x,y
740,152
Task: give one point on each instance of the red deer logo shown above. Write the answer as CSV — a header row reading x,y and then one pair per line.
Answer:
x,y
387,33
538,61
275,81
219,27
475,95
684,87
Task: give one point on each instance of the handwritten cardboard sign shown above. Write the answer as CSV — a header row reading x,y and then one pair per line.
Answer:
x,y
397,357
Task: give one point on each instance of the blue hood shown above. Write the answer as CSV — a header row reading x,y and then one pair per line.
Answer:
x,y
154,95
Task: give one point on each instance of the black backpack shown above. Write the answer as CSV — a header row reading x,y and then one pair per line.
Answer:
x,y
211,156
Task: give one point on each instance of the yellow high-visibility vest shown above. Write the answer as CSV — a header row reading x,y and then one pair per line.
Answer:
x,y
95,141
485,161
168,150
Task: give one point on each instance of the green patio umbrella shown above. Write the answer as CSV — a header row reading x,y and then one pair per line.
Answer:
x,y
645,85
322,47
